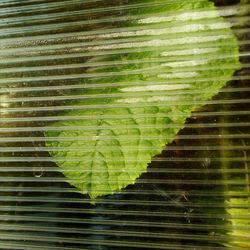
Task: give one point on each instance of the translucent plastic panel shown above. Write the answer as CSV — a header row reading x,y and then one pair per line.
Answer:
x,y
124,124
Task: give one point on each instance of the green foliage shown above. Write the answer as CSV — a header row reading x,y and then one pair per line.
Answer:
x,y
159,70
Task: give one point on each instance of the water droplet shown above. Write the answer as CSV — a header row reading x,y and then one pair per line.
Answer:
x,y
206,163
37,171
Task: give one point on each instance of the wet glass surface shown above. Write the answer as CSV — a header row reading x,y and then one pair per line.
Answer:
x,y
184,199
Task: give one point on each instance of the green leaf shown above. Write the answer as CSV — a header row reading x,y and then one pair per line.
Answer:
x,y
147,79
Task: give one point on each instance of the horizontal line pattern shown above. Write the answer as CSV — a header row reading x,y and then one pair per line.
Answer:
x,y
194,195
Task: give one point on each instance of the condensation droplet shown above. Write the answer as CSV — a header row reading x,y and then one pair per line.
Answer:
x,y
38,171
206,163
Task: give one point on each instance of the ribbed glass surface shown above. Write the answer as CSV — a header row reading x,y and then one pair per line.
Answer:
x,y
55,55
